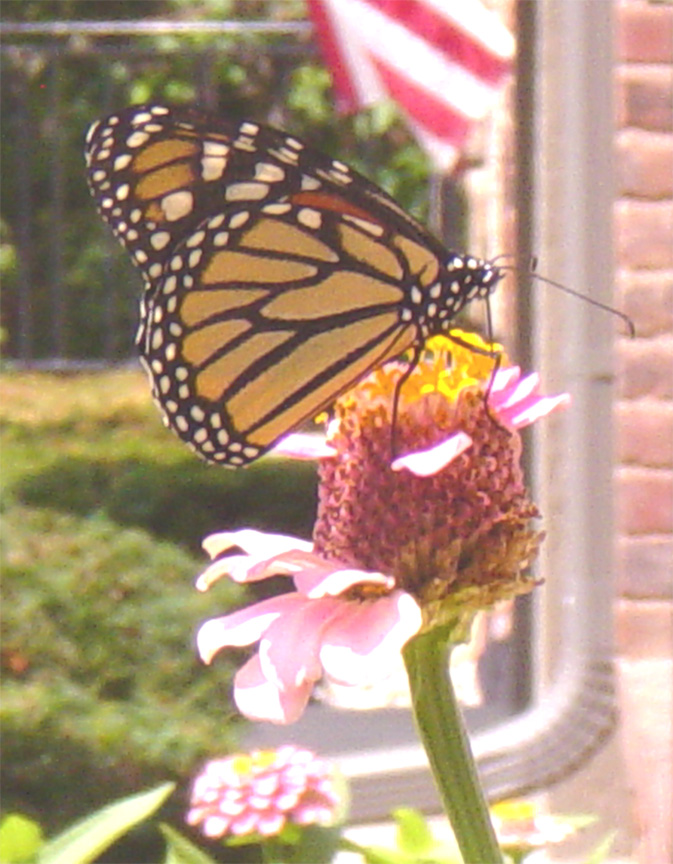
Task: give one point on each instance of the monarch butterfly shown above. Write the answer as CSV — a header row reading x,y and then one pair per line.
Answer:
x,y
275,277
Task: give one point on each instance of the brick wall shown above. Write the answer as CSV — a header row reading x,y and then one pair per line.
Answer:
x,y
644,412
644,248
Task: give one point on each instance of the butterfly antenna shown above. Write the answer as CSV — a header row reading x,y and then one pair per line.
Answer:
x,y
578,294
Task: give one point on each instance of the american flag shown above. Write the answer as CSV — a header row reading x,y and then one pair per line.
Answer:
x,y
441,61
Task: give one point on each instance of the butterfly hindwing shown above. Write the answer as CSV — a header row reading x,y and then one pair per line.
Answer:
x,y
267,314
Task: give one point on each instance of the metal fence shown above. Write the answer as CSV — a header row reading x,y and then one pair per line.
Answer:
x,y
70,296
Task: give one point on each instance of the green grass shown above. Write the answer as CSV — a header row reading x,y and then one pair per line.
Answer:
x,y
103,512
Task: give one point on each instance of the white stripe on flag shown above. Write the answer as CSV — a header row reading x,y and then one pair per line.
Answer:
x,y
480,23
415,59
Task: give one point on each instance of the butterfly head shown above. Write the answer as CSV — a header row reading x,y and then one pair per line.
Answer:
x,y
468,278
462,278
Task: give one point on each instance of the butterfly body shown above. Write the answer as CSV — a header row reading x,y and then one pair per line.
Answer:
x,y
275,277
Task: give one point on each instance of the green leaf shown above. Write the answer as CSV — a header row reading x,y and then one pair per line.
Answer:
x,y
85,840
180,850
317,844
413,832
20,839
601,852
578,821
374,854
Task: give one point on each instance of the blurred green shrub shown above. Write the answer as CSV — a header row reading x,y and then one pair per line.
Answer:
x,y
102,690
102,517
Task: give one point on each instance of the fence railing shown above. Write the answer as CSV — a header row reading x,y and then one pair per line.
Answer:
x,y
70,296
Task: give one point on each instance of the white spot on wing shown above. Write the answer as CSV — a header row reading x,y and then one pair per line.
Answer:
x,y
309,217
212,167
159,240
177,205
268,173
137,139
246,191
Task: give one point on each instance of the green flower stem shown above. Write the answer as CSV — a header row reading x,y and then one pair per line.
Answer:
x,y
440,725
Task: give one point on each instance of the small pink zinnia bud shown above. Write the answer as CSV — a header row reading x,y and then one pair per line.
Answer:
x,y
258,793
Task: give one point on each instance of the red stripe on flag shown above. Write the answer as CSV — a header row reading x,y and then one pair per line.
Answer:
x,y
325,29
446,37
436,116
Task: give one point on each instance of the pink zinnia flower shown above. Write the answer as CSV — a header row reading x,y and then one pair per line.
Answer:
x,y
443,531
260,792
340,622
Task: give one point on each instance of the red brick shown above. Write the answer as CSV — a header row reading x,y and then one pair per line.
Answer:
x,y
645,567
643,231
645,501
645,367
645,433
647,298
645,163
645,97
645,32
643,628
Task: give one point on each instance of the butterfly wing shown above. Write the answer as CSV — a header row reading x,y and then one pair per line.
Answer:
x,y
155,172
275,276
269,312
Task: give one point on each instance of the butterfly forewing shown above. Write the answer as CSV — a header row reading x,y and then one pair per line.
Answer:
x,y
156,172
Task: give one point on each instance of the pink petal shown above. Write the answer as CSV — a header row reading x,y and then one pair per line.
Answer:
x,y
359,647
302,445
505,379
259,699
244,626
289,650
262,549
288,563
244,824
257,543
424,463
332,582
270,824
538,407
309,814
236,567
215,826
518,403
516,391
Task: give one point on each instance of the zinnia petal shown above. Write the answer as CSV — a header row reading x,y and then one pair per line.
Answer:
x,y
259,699
244,626
505,379
304,445
425,463
359,646
336,581
261,550
538,407
311,568
257,544
289,651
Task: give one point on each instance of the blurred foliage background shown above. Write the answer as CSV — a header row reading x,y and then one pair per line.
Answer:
x,y
103,511
102,516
